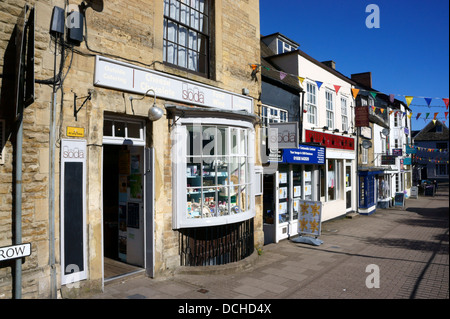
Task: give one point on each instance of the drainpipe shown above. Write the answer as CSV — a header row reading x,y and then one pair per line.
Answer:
x,y
51,184
18,204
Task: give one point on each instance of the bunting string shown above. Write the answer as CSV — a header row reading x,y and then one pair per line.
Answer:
x,y
355,92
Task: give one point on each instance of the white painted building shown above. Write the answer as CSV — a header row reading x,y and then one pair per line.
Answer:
x,y
326,110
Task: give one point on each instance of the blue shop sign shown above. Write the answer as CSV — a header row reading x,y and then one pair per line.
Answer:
x,y
304,154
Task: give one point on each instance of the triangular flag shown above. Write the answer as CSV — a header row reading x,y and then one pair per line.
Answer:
x,y
390,112
336,88
319,84
282,75
355,93
428,100
391,98
446,113
374,94
381,110
434,121
446,103
409,115
418,115
301,80
435,114
426,115
408,99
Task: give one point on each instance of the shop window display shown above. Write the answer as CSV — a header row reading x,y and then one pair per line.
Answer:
x,y
217,171
332,180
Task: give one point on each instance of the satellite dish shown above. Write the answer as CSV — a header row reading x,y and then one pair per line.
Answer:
x,y
385,132
366,144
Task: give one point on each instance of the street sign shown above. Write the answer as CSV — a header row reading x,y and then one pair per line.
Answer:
x,y
15,251
414,192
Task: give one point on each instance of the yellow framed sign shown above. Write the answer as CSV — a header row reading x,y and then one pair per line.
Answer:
x,y
75,131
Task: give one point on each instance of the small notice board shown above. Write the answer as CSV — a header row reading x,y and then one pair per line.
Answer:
x,y
310,218
399,199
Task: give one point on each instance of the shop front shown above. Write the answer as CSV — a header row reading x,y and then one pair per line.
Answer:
x,y
337,178
369,188
213,198
296,177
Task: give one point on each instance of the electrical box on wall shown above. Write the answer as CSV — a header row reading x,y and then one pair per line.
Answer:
x,y
75,22
57,23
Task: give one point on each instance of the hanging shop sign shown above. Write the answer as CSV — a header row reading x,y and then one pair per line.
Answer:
x,y
388,160
123,76
305,154
410,150
407,161
361,116
397,152
15,251
285,134
365,132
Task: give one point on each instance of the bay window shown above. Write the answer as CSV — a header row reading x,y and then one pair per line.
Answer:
x,y
213,173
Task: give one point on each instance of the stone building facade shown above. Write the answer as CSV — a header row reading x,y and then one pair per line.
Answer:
x,y
130,58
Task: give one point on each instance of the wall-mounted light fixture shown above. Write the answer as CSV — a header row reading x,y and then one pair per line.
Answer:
x,y
154,112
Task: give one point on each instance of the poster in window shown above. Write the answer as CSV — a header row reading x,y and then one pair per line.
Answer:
x,y
124,162
133,215
307,176
136,186
135,163
297,191
283,193
283,178
307,189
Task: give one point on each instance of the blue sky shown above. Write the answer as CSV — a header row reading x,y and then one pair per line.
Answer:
x,y
407,55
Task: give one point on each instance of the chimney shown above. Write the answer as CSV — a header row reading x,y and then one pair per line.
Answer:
x,y
331,64
363,78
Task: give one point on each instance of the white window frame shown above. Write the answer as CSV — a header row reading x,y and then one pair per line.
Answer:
x,y
329,103
179,181
271,114
311,103
344,114
364,155
284,47
120,140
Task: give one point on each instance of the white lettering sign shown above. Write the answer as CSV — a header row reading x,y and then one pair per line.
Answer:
x,y
127,77
287,134
14,252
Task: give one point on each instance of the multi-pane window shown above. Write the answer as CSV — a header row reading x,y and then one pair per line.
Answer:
x,y
311,103
273,115
330,109
344,114
284,47
217,171
396,119
186,34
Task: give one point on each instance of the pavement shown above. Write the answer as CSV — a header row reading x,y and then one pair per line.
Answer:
x,y
392,254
